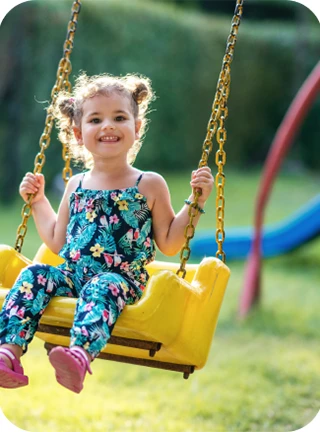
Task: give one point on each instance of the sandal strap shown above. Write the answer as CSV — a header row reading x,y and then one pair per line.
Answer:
x,y
79,351
7,353
16,366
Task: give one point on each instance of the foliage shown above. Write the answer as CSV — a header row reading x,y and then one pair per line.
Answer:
x,y
181,52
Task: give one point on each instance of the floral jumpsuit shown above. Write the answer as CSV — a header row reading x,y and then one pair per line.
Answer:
x,y
109,241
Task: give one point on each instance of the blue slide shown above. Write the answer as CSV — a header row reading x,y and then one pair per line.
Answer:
x,y
277,239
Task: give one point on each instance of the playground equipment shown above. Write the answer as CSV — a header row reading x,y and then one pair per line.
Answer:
x,y
175,319
280,146
276,239
300,228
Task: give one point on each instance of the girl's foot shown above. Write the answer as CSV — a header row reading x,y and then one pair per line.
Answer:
x,y
11,371
71,366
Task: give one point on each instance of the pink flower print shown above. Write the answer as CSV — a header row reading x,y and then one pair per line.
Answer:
x,y
88,306
132,292
84,331
29,296
114,196
41,280
75,255
147,243
143,277
113,219
9,304
90,205
114,289
21,312
105,315
125,266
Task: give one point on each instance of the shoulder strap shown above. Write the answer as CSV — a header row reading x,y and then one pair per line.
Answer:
x,y
81,180
139,179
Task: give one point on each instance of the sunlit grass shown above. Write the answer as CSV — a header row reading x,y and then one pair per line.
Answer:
x,y
262,373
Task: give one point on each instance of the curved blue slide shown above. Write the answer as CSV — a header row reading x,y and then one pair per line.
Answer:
x,y
277,239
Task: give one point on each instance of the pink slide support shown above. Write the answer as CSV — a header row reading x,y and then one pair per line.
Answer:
x,y
279,148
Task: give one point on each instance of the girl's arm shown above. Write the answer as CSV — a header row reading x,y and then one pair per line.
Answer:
x,y
169,228
51,227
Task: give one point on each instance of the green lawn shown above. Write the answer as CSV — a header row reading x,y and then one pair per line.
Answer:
x,y
262,373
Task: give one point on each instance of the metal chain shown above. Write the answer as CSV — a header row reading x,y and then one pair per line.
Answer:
x,y
62,83
216,126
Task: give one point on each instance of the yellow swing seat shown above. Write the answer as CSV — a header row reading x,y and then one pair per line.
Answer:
x,y
171,327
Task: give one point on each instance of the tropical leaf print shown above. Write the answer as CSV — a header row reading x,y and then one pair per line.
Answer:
x,y
106,208
130,218
107,241
142,213
39,302
125,242
84,234
144,232
88,265
92,315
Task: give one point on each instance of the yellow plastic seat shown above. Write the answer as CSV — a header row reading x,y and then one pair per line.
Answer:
x,y
171,327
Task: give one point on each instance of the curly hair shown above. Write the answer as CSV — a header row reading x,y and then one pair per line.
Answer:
x,y
68,108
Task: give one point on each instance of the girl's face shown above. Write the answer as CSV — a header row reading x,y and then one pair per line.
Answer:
x,y
108,128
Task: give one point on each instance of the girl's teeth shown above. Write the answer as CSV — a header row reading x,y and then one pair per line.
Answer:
x,y
109,139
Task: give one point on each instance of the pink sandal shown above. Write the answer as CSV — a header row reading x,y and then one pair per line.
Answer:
x,y
11,378
71,366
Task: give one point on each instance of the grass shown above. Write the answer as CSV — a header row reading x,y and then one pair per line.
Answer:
x,y
262,373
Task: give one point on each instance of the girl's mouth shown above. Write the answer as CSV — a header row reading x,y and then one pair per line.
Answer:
x,y
110,138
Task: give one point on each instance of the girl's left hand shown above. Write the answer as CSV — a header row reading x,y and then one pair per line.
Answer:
x,y
202,179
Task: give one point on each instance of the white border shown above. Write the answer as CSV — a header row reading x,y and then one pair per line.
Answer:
x,y
7,426
5,7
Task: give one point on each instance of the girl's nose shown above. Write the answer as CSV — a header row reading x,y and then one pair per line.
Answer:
x,y
108,125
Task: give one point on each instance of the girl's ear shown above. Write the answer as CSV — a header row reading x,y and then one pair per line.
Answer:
x,y
77,134
137,127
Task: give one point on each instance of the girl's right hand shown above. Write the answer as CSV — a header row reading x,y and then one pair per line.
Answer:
x,y
32,184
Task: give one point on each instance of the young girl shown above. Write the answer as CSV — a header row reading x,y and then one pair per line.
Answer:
x,y
105,229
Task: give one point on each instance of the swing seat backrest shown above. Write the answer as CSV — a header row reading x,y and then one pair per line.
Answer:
x,y
179,314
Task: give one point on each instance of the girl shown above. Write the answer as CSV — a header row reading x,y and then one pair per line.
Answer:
x,y
105,229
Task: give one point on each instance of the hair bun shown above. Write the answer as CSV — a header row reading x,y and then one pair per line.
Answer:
x,y
67,105
140,93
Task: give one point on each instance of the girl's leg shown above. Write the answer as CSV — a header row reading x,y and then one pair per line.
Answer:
x,y
26,302
100,303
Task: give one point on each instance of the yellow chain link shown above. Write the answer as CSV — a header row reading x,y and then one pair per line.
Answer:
x,y
62,83
216,126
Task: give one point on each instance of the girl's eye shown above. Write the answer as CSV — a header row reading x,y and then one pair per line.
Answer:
x,y
120,118
95,120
